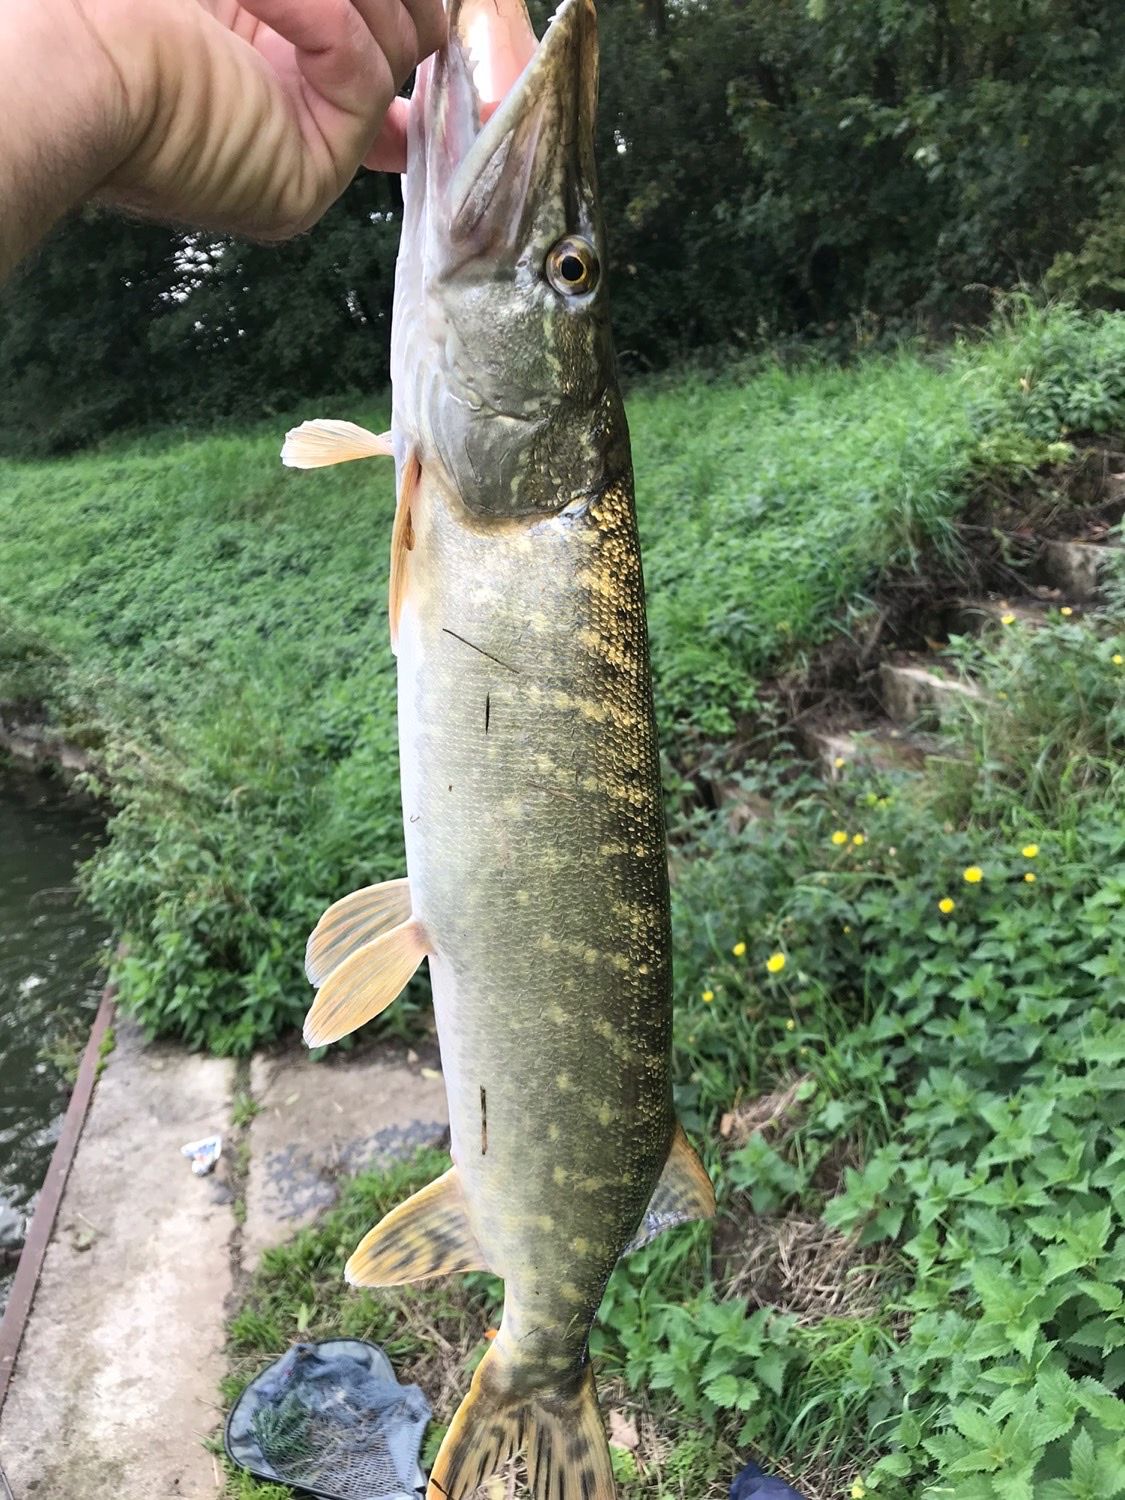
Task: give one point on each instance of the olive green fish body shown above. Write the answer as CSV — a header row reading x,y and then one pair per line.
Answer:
x,y
537,884
536,857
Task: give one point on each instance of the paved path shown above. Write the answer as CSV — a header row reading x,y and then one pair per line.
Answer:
x,y
115,1387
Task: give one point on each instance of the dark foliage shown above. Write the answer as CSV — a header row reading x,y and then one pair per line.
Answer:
x,y
769,167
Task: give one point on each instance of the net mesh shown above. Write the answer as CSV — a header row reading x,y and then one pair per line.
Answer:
x,y
332,1419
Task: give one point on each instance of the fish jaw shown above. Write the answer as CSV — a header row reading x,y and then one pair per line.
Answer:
x,y
502,359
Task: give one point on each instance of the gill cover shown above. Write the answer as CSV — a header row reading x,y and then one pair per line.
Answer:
x,y
502,361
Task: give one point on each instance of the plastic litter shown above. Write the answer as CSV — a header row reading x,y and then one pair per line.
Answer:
x,y
755,1484
203,1154
331,1419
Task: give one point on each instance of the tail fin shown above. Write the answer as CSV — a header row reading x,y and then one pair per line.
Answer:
x,y
560,1434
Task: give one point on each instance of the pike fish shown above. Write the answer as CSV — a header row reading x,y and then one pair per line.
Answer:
x,y
537,880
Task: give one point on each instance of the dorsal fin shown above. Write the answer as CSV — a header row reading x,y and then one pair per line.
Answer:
x,y
683,1193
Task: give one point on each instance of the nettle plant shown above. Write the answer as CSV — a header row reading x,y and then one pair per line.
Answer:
x,y
936,969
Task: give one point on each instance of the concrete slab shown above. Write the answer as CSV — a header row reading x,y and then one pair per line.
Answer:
x,y
116,1382
914,694
319,1122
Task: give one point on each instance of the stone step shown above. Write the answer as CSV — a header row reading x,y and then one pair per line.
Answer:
x,y
877,745
1077,569
923,696
975,616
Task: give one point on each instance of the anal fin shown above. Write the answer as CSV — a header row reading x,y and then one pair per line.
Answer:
x,y
365,983
683,1193
428,1235
351,923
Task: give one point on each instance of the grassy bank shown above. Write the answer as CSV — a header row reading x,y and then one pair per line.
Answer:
x,y
900,1039
217,625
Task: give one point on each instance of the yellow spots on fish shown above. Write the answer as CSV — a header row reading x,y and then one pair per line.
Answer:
x,y
610,851
591,956
548,944
605,1114
564,1083
545,1223
522,898
580,1245
559,1016
553,1132
644,969
641,916
544,764
560,1174
512,808
572,1294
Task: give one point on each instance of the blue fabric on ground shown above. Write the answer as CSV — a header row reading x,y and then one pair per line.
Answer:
x,y
754,1484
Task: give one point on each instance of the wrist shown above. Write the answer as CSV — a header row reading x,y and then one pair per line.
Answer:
x,y
66,118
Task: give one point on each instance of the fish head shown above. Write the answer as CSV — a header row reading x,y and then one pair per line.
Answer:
x,y
502,358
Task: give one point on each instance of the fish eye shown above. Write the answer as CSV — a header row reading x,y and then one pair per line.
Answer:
x,y
572,266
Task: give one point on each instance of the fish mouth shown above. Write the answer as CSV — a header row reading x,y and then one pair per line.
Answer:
x,y
509,124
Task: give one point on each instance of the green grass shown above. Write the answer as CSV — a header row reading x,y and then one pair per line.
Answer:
x,y
915,1287
217,625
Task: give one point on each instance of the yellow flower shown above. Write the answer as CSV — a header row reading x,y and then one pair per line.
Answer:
x,y
775,963
839,762
708,996
847,928
790,1024
1008,619
974,875
839,837
946,905
859,1490
1066,611
858,839
1029,851
1117,659
738,950
1030,877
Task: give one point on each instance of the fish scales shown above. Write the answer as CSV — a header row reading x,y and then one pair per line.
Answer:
x,y
536,850
537,885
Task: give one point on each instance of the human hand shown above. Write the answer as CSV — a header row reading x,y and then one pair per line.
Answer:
x,y
249,117
254,116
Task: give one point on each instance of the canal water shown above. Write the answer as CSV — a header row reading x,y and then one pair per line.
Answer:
x,y
51,948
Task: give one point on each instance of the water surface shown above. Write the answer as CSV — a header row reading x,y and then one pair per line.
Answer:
x,y
50,949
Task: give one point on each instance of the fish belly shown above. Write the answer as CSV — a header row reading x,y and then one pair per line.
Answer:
x,y
536,856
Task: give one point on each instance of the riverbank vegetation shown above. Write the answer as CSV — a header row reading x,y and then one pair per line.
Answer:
x,y
841,168
899,1022
214,627
900,1035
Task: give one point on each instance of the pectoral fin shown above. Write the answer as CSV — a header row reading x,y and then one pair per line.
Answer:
x,y
402,542
683,1193
352,923
315,445
365,984
428,1235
